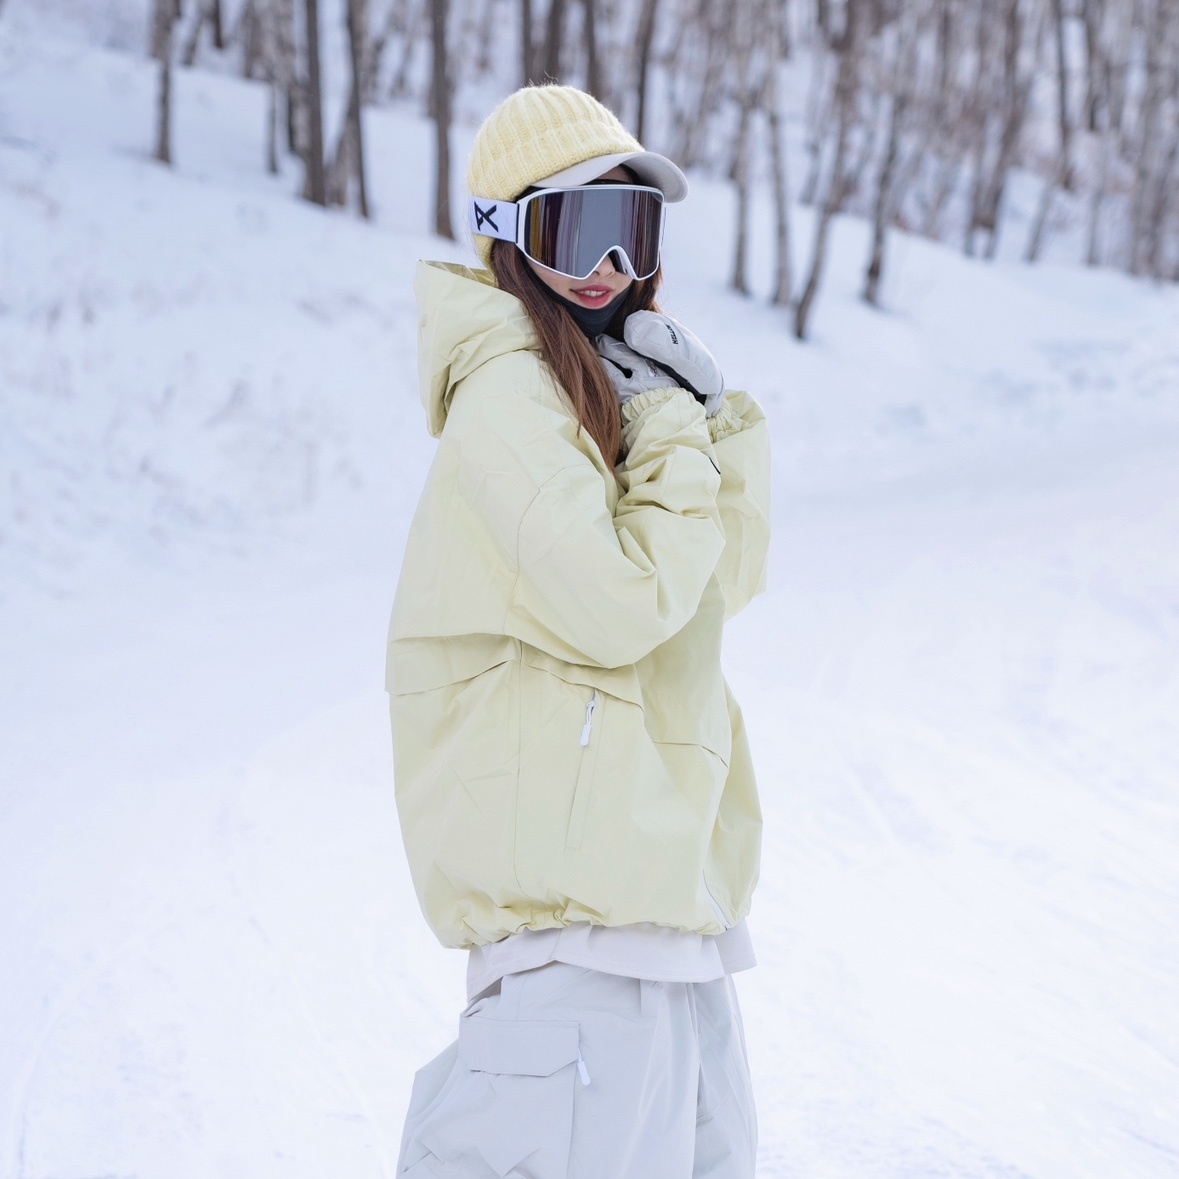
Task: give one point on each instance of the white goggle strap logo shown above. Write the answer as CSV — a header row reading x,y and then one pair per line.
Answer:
x,y
493,218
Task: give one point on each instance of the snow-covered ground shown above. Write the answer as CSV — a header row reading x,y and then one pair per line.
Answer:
x,y
962,686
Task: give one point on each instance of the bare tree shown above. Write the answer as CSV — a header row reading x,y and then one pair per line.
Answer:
x,y
847,49
742,17
164,16
417,26
554,40
778,50
1010,84
440,109
643,44
393,25
347,161
818,117
314,178
277,36
700,67
527,48
1152,152
593,68
189,53
1062,175
888,192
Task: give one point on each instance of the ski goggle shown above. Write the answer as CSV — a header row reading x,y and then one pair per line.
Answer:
x,y
570,230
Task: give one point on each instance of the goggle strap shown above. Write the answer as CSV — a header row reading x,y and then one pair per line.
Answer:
x,y
493,218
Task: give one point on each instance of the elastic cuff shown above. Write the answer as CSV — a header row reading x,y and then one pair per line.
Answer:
x,y
650,399
724,421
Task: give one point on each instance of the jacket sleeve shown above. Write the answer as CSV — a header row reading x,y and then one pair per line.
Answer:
x,y
741,444
591,585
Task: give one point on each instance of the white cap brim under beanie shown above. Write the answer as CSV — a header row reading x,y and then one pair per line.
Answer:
x,y
650,167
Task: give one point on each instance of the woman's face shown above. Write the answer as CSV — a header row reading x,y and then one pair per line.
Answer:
x,y
604,285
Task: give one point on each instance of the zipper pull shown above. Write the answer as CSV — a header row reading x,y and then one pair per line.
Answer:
x,y
582,1071
589,720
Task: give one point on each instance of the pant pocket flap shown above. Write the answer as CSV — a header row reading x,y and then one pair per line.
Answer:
x,y
522,1048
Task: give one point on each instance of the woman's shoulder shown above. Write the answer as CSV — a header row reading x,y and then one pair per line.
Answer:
x,y
510,388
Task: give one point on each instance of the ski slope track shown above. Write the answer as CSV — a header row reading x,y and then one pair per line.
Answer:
x,y
962,686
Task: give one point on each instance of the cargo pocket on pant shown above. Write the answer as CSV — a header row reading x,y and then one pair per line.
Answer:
x,y
506,1109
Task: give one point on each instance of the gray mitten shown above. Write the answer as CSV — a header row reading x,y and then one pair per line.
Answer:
x,y
630,373
679,353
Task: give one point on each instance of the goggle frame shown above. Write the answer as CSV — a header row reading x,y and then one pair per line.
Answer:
x,y
482,212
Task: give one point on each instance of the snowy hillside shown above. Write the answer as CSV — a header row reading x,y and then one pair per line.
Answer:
x,y
962,687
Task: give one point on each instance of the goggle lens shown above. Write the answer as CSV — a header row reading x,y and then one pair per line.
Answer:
x,y
572,230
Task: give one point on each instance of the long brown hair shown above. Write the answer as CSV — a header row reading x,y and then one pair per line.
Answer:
x,y
564,347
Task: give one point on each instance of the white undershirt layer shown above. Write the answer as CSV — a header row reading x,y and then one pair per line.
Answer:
x,y
647,951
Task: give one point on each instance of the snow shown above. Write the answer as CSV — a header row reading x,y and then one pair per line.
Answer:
x,y
962,686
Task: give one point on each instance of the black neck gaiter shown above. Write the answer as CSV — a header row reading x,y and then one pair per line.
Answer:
x,y
593,321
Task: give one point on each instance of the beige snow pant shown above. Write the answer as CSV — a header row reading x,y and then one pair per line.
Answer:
x,y
569,1073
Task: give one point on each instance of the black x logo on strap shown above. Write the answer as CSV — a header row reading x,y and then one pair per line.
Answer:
x,y
482,215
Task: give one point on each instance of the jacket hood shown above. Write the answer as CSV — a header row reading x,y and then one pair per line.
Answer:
x,y
464,320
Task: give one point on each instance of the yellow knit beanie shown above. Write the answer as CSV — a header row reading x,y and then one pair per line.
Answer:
x,y
538,132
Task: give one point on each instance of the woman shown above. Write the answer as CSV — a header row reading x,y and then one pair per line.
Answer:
x,y
573,782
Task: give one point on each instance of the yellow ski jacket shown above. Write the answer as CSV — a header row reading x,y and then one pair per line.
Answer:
x,y
565,745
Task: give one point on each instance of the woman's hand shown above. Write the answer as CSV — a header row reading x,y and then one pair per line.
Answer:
x,y
679,353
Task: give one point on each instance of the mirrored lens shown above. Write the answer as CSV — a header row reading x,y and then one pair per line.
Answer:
x,y
572,230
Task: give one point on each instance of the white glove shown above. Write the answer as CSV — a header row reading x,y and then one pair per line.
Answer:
x,y
630,373
677,351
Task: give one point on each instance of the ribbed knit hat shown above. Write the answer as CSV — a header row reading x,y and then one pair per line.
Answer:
x,y
559,136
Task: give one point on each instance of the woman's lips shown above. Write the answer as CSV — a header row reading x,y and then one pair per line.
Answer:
x,y
593,296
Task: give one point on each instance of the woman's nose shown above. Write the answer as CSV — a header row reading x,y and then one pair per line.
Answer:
x,y
606,267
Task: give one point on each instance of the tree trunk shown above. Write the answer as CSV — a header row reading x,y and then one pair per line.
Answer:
x,y
417,25
1040,221
740,174
644,41
218,24
162,27
845,90
440,102
314,181
991,187
347,156
554,40
593,69
189,54
817,118
164,114
882,209
1091,12
1062,104
1149,118
783,271
1161,207
1062,175
278,28
272,117
357,23
527,52
249,33
1096,202
292,110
